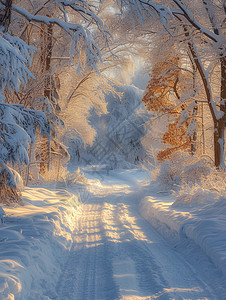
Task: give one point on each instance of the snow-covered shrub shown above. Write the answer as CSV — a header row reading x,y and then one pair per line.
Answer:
x,y
74,141
196,171
208,189
76,178
190,194
192,179
70,179
183,169
17,130
169,174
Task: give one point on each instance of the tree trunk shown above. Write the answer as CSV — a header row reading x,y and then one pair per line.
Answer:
x,y
48,55
193,138
219,142
5,14
219,125
47,48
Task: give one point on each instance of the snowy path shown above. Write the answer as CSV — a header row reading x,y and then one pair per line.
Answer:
x,y
118,255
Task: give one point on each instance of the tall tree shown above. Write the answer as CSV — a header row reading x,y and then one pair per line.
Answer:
x,y
197,27
18,124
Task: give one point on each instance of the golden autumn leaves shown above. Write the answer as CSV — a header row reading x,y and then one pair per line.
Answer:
x,y
164,96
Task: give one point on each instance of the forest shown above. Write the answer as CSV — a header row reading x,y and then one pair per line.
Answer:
x,y
116,95
61,67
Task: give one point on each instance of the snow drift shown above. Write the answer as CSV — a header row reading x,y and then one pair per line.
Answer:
x,y
34,243
188,200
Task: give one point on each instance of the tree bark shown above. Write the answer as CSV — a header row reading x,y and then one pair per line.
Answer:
x,y
5,14
47,48
47,61
219,125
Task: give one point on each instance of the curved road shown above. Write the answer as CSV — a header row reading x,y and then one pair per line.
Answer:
x,y
118,255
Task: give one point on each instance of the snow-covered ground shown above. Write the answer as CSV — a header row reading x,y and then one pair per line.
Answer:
x,y
103,248
205,225
35,241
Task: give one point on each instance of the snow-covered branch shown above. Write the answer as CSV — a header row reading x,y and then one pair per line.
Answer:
x,y
14,57
189,16
81,36
17,130
84,9
139,6
165,13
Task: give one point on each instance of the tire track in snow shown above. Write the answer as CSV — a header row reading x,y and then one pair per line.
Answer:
x,y
118,255
159,268
88,273
135,270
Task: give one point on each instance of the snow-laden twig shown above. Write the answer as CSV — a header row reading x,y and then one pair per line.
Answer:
x,y
81,36
189,16
14,57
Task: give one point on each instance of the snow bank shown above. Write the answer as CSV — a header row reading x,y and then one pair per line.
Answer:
x,y
208,229
204,224
158,211
189,200
34,243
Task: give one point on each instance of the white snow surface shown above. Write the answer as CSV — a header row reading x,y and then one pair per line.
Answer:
x,y
203,222
101,247
35,240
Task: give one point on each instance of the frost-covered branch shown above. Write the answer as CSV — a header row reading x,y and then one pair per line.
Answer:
x,y
18,127
178,67
141,6
84,9
81,36
165,13
14,57
189,16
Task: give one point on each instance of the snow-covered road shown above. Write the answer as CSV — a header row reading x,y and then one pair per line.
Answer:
x,y
118,255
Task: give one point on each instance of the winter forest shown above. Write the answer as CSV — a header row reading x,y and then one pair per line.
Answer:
x,y
112,149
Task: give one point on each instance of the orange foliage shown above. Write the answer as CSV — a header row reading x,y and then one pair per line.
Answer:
x,y
166,153
175,136
161,85
162,92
